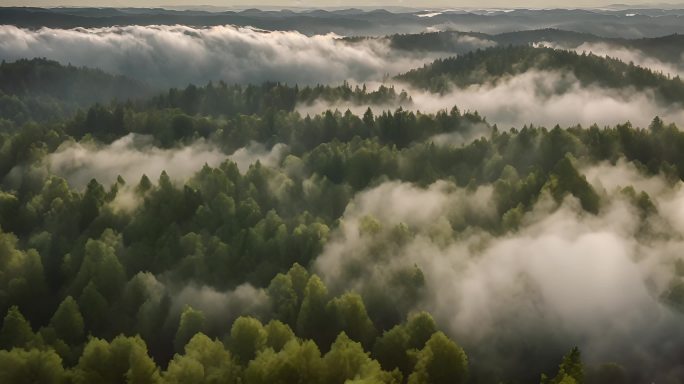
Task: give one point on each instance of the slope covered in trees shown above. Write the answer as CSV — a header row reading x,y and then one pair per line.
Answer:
x,y
229,100
491,65
214,234
78,263
41,89
668,49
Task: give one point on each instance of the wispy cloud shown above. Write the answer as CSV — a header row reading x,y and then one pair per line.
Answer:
x,y
177,55
565,278
135,155
535,97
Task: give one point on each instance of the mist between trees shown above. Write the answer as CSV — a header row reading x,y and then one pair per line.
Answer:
x,y
217,234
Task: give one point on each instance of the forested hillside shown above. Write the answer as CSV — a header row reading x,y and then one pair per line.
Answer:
x,y
112,259
41,90
215,233
492,64
661,54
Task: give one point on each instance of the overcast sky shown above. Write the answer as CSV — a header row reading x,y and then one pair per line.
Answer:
x,y
334,3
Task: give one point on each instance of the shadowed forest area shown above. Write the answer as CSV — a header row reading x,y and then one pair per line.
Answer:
x,y
379,229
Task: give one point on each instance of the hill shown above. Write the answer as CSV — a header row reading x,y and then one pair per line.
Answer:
x,y
39,89
667,49
492,64
625,24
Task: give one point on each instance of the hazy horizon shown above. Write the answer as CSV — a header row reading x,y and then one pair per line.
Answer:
x,y
338,4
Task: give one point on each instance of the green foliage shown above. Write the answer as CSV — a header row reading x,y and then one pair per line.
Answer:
x,y
124,360
278,334
42,90
299,277
16,331
482,66
95,309
68,322
247,337
566,179
238,242
347,361
313,321
297,362
22,281
101,267
390,349
348,314
222,99
284,298
440,361
396,347
420,327
570,370
22,366
191,323
205,361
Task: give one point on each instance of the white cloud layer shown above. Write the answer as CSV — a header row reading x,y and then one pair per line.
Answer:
x,y
542,98
550,98
134,155
565,278
221,308
130,157
622,53
178,55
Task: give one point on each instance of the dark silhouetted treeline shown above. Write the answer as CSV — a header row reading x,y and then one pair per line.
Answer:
x,y
41,89
495,64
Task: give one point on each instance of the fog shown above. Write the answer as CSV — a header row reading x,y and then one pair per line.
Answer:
x,y
133,156
564,278
463,136
178,55
550,98
625,54
129,157
160,55
543,98
244,157
220,308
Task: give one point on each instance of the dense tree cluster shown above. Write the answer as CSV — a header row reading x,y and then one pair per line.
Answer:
x,y
89,287
492,64
224,100
247,351
41,90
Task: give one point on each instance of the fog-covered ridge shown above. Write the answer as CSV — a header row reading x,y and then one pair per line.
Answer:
x,y
610,22
161,55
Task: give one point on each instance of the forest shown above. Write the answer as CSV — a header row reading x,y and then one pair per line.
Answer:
x,y
341,232
492,64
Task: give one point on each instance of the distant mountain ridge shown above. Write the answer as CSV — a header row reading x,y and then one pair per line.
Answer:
x,y
447,41
608,23
668,49
491,65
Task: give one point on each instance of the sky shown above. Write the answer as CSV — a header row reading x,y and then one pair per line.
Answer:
x,y
335,3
